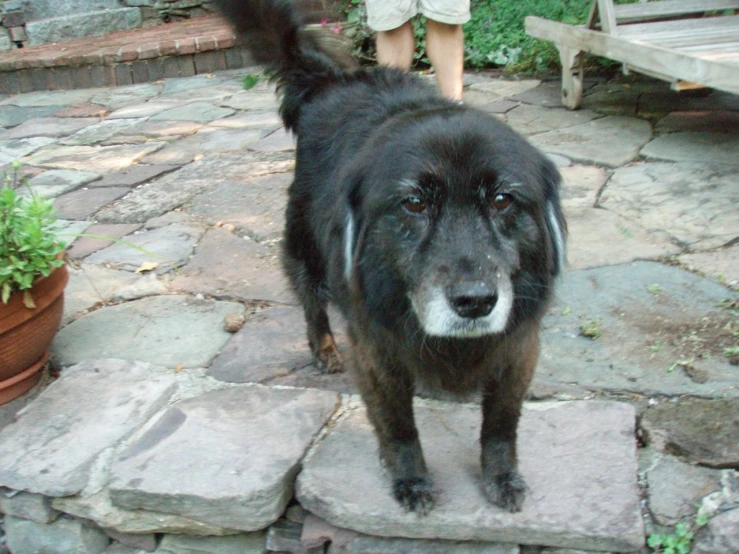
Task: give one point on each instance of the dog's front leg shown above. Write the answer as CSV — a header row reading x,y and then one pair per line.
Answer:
x,y
503,395
388,395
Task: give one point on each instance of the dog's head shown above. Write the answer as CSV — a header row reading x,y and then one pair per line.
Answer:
x,y
458,218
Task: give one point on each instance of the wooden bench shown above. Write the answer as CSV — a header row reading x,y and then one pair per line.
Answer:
x,y
689,43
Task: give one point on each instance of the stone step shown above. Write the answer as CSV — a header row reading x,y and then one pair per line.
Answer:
x,y
124,57
89,23
46,9
578,458
141,449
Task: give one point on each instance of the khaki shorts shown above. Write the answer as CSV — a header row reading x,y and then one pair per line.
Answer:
x,y
384,15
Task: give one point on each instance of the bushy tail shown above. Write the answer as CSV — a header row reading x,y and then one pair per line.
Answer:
x,y
301,58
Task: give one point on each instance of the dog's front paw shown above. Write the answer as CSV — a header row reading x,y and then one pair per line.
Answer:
x,y
414,494
506,491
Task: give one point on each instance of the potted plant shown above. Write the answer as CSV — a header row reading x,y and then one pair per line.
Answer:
x,y
32,280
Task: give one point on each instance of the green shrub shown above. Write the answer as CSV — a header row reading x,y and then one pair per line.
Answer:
x,y
494,36
29,246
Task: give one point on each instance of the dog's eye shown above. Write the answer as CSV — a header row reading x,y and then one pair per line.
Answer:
x,y
502,202
414,205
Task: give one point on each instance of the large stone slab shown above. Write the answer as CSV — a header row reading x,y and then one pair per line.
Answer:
x,y
56,182
721,264
80,25
256,206
700,121
81,204
269,120
102,130
530,120
171,331
694,147
49,98
52,445
244,543
272,347
10,116
12,150
133,175
246,445
675,489
50,127
610,141
98,237
702,431
579,460
648,317
114,96
104,159
589,229
91,285
98,508
226,265
200,112
61,537
694,204
169,247
178,187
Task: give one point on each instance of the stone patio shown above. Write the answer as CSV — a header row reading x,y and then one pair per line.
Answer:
x,y
160,431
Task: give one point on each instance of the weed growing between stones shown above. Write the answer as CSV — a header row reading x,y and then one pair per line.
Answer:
x,y
678,542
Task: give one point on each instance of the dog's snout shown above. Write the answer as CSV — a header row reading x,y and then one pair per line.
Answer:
x,y
472,299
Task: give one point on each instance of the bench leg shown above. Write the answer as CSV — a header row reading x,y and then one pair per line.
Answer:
x,y
572,76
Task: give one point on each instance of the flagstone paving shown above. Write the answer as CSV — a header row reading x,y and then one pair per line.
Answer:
x,y
185,414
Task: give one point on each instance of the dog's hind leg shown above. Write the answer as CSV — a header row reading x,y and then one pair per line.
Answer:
x,y
301,262
321,339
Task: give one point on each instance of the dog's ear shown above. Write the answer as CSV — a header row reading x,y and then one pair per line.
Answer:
x,y
555,221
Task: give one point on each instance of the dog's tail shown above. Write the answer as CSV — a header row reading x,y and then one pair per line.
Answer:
x,y
302,59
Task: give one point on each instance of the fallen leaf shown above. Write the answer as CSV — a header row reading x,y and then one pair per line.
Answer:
x,y
147,266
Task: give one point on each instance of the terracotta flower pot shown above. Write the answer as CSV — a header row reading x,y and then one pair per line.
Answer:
x,y
26,333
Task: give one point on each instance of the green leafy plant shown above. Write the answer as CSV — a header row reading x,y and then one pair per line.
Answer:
x,y
680,540
29,244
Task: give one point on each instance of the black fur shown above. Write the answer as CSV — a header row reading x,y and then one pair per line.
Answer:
x,y
434,228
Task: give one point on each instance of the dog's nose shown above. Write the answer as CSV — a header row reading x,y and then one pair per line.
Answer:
x,y
472,299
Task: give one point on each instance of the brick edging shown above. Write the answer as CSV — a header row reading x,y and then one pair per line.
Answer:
x,y
181,49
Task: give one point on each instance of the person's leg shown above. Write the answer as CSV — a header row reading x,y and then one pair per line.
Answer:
x,y
445,49
395,47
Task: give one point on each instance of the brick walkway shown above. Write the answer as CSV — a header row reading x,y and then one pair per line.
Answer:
x,y
178,49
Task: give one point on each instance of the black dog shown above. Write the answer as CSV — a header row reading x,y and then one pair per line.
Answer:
x,y
435,229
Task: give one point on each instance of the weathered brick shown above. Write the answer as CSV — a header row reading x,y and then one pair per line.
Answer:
x,y
9,83
140,71
225,41
233,58
186,46
148,51
64,78
81,77
156,69
208,62
123,74
187,65
204,44
171,67
167,48
127,53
